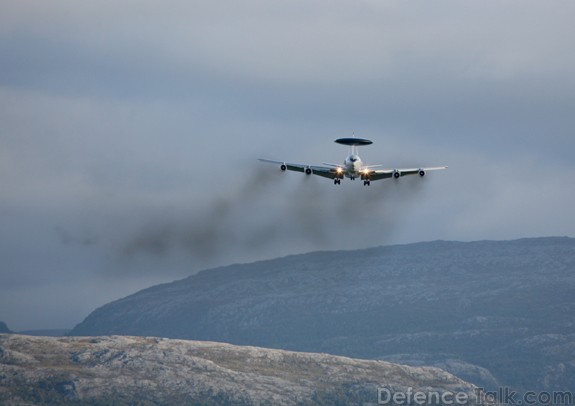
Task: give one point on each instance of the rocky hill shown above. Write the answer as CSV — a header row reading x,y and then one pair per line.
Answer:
x,y
494,313
146,371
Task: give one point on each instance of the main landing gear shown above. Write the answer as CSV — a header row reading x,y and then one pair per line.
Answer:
x,y
337,181
366,183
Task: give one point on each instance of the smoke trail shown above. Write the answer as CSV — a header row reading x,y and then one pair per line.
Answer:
x,y
273,213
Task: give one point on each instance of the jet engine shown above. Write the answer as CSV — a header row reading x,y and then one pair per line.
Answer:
x,y
308,171
421,173
283,167
396,174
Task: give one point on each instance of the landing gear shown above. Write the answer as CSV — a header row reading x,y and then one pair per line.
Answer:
x,y
337,181
366,183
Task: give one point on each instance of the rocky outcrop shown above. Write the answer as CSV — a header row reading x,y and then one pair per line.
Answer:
x,y
144,370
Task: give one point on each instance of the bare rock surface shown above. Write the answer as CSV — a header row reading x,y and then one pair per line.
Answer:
x,y
118,370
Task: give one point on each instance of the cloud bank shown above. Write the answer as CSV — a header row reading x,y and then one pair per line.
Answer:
x,y
129,133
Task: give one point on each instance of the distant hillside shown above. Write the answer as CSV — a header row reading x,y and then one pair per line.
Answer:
x,y
59,332
4,328
146,371
493,313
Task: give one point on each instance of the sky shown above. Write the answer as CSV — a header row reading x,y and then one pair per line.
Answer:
x,y
130,132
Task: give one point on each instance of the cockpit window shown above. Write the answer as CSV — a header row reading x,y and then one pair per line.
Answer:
x,y
353,158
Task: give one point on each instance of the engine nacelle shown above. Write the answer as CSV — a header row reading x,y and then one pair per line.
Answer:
x,y
308,171
283,167
396,174
421,173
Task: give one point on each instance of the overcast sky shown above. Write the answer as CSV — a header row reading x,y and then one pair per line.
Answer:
x,y
129,132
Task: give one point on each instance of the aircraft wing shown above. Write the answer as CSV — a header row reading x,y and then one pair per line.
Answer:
x,y
324,171
396,173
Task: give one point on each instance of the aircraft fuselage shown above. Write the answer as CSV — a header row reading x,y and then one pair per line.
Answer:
x,y
353,166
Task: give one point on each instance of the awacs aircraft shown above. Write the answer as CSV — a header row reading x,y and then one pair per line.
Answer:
x,y
352,167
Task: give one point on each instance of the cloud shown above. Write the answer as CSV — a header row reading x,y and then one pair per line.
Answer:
x,y
129,133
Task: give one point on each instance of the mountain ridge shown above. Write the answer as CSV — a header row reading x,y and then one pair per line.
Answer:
x,y
466,306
